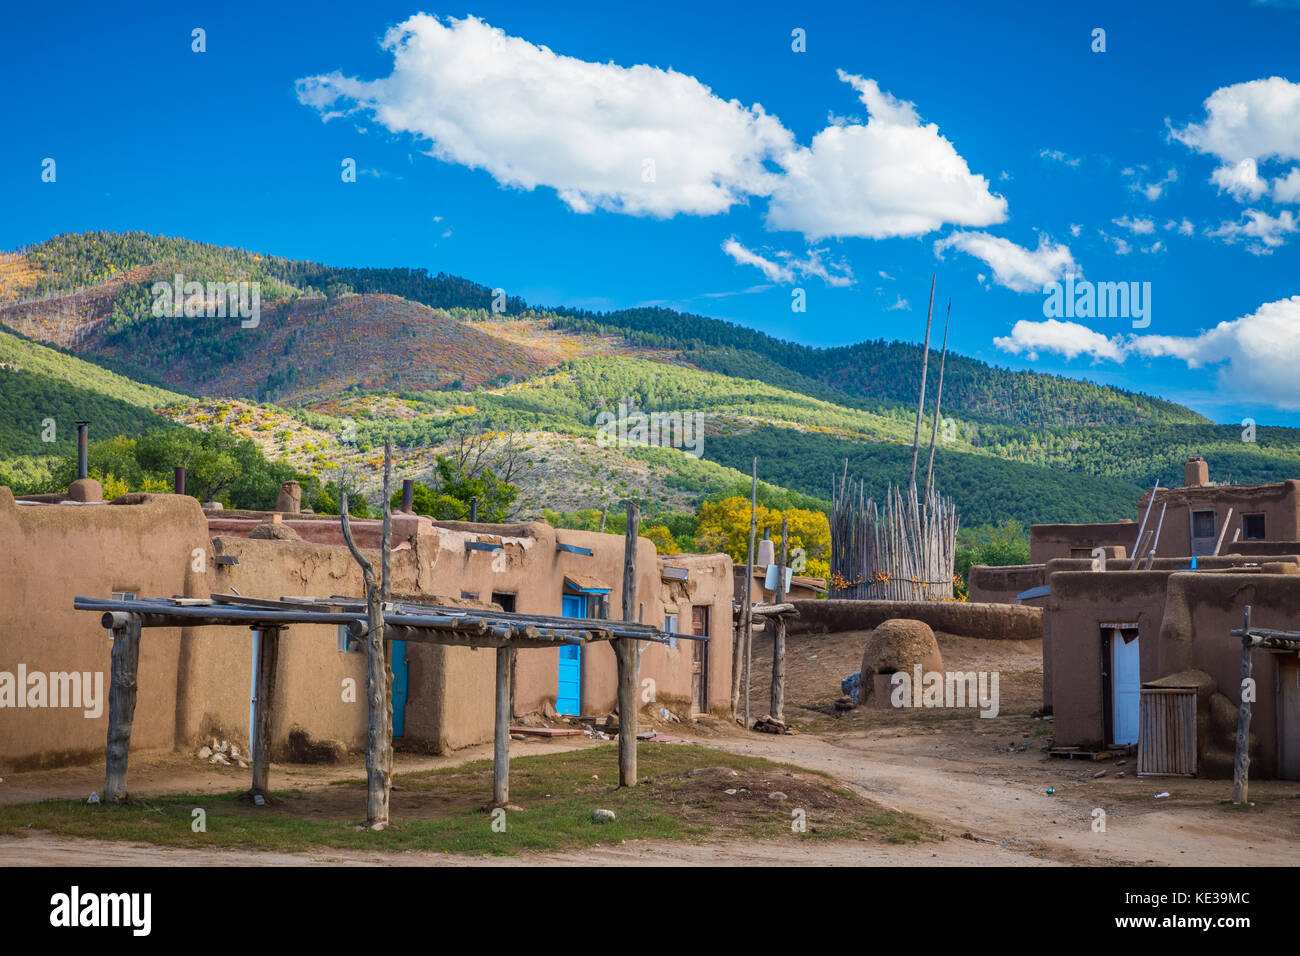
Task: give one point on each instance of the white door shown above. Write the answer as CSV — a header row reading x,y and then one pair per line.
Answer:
x,y
1125,688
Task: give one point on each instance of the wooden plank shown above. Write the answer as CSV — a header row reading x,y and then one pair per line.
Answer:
x,y
268,657
548,731
121,706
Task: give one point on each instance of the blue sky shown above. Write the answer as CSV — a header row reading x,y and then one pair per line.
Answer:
x,y
1023,156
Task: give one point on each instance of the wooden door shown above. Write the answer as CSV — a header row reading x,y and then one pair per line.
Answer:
x,y
700,660
1126,687
1288,716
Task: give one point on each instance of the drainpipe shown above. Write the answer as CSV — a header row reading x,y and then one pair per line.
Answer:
x,y
83,449
408,494
179,482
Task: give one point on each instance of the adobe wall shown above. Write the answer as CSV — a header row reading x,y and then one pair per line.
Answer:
x,y
993,621
1048,541
1201,609
709,585
1079,603
1000,585
1279,503
50,553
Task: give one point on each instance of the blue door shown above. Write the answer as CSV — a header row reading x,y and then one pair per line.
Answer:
x,y
568,694
1126,688
400,675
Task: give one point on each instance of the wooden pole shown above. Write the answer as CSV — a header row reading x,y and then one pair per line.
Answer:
x,y
268,654
379,739
1241,763
121,705
625,654
738,647
938,401
501,738
778,640
749,586
920,405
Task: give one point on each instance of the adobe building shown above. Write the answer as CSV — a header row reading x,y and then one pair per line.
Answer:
x,y
197,681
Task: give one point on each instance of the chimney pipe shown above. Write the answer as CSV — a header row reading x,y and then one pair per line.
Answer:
x,y
473,509
179,482
408,494
83,449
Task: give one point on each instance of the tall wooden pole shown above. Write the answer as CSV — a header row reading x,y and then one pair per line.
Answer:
x,y
938,402
778,640
625,655
740,655
268,655
122,690
920,405
1241,763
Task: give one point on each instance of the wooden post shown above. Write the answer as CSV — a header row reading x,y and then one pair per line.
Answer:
x,y
1241,764
121,703
738,656
920,405
778,640
625,654
938,403
268,654
379,676
501,734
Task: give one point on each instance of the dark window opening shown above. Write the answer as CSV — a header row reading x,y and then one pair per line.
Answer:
x,y
1202,524
1252,527
507,601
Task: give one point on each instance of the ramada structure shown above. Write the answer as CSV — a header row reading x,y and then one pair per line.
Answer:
x,y
200,681
1138,651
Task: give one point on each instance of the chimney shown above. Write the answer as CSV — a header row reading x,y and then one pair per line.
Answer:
x,y
83,449
408,495
179,482
1197,473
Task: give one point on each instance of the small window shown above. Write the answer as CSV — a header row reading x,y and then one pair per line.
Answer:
x,y
469,595
347,643
670,625
1202,524
124,595
1252,527
506,600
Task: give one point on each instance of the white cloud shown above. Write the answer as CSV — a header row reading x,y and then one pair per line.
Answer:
x,y
815,262
1185,227
1066,338
1263,232
775,272
1241,180
892,176
1287,188
1058,156
900,304
1256,353
1152,191
531,117
1141,227
1075,229
1257,120
1247,125
1015,267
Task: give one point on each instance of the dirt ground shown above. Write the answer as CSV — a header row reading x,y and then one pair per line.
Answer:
x,y
982,782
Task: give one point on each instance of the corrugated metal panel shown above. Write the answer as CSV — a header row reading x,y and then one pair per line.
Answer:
x,y
1167,741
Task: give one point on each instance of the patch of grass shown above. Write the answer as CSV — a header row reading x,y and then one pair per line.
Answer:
x,y
682,795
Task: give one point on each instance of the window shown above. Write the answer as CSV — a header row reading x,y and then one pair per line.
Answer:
x,y
670,625
1202,524
469,595
506,600
1252,527
347,643
124,595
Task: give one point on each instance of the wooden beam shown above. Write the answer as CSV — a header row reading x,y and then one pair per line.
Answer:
x,y
1241,763
920,405
625,655
121,704
501,733
268,657
746,601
